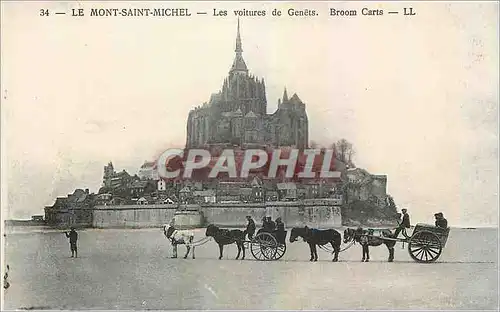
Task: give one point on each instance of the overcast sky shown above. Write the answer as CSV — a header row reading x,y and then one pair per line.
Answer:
x,y
417,96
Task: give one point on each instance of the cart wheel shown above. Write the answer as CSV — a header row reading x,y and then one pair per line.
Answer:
x,y
424,247
264,246
280,251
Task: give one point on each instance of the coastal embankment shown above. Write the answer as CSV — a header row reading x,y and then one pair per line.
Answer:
x,y
317,213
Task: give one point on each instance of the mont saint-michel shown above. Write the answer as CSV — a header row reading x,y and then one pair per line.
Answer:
x,y
234,117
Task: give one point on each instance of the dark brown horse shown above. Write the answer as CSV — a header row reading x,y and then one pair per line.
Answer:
x,y
227,237
365,239
316,237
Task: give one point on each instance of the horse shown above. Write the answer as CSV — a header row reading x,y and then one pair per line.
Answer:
x,y
179,237
318,237
360,235
227,237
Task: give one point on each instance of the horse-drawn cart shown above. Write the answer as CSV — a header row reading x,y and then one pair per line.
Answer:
x,y
424,245
427,242
268,245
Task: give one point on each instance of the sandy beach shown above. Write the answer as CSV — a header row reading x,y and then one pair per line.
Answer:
x,y
132,269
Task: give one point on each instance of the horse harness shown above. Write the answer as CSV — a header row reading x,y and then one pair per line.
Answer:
x,y
310,231
174,241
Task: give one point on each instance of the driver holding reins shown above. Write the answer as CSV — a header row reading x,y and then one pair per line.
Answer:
x,y
405,223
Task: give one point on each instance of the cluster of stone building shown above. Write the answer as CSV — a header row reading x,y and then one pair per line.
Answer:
x,y
234,116
145,189
74,209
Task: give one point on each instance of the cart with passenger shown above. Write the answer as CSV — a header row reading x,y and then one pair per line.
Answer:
x,y
268,244
426,243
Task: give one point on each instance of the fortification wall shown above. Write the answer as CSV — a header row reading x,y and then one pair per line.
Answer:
x,y
314,213
232,215
133,216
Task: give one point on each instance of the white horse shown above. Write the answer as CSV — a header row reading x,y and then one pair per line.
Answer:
x,y
179,237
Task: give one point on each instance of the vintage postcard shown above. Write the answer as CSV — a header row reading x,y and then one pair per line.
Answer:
x,y
249,155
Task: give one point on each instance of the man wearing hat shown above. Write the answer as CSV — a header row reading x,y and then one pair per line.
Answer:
x,y
440,220
250,227
280,226
265,225
271,224
73,238
280,230
405,223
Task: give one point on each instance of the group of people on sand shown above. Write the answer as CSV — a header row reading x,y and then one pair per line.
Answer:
x,y
440,222
268,225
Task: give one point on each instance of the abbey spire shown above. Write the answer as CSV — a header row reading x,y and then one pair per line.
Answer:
x,y
285,96
239,66
238,39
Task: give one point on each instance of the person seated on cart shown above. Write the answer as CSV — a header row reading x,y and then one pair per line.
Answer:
x,y
265,225
271,224
250,227
404,224
440,220
280,226
280,230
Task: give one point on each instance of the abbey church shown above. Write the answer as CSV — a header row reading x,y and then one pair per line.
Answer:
x,y
237,114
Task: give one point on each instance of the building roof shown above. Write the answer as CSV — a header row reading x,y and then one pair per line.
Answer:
x,y
295,98
256,182
82,198
238,112
61,201
246,191
286,186
250,114
204,193
185,189
139,184
148,164
78,196
239,64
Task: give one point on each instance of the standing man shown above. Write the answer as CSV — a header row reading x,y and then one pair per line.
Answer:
x,y
440,220
250,227
172,222
405,223
73,238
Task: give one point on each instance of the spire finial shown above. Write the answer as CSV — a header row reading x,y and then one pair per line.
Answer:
x,y
239,65
238,39
285,96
